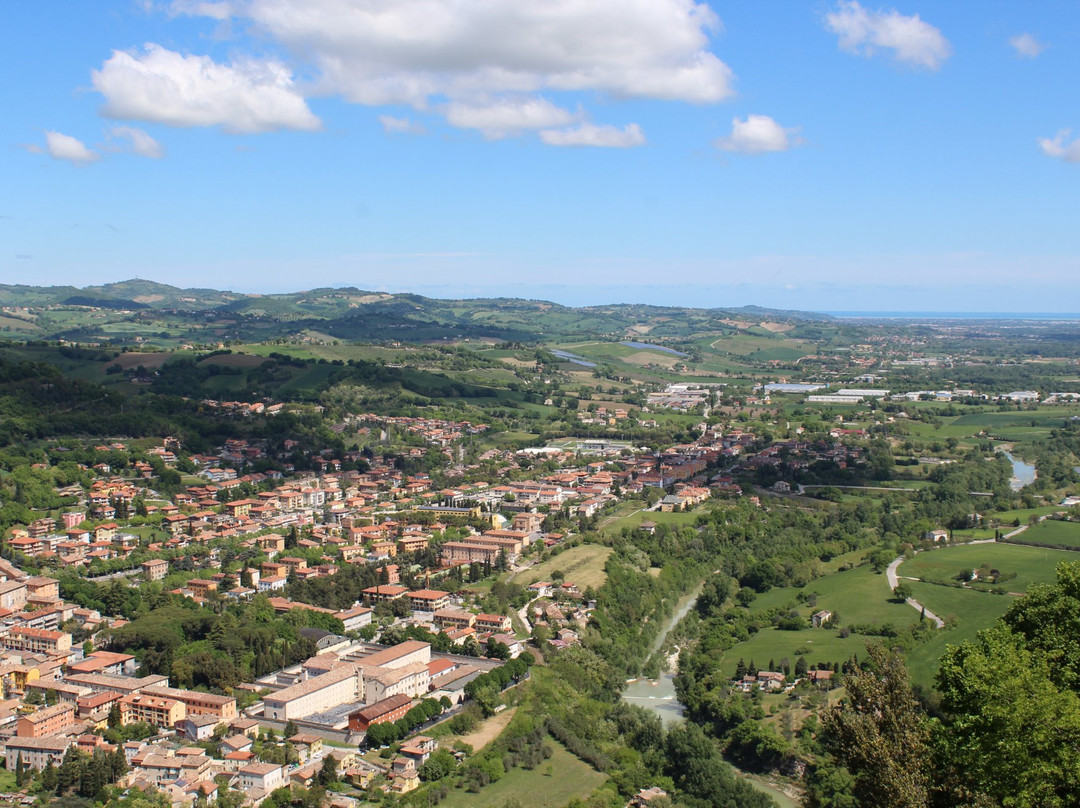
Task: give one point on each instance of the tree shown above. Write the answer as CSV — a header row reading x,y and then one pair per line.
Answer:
x,y
115,720
902,591
1048,618
880,735
1012,733
328,774
290,729
439,765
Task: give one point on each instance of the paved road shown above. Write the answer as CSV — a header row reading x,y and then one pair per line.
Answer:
x,y
914,604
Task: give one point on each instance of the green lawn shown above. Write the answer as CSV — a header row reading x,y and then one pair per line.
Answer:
x,y
680,519
973,611
857,596
551,785
1052,531
582,565
1023,514
1031,564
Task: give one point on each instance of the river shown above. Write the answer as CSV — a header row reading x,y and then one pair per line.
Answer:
x,y
658,695
1023,473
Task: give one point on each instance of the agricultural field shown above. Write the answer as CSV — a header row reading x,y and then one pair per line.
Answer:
x,y
552,784
582,565
1051,531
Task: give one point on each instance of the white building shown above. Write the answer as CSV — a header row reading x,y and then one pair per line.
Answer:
x,y
263,776
341,685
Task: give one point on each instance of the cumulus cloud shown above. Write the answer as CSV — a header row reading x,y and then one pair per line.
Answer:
x,y
464,56
588,134
401,126
163,86
1060,148
758,134
910,39
1026,45
138,142
65,147
507,116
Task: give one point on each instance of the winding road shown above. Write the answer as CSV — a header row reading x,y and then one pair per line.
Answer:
x,y
914,604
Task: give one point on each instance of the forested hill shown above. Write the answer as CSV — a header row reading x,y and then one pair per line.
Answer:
x,y
350,313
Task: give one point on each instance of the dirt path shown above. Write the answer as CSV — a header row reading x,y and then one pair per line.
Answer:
x,y
489,730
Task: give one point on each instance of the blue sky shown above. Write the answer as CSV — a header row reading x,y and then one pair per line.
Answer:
x,y
809,155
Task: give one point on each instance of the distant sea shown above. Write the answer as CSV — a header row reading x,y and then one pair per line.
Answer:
x,y
953,315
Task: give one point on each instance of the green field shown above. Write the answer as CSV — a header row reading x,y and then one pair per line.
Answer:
x,y
1031,564
551,785
857,596
1008,426
582,565
1052,531
973,610
1023,514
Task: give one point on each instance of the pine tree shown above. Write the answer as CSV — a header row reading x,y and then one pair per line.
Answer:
x,y
20,776
48,778
740,669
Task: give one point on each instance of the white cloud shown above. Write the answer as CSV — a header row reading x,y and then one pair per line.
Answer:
x,y
587,134
1026,45
910,39
758,134
466,55
1057,147
401,126
64,147
507,116
139,142
163,86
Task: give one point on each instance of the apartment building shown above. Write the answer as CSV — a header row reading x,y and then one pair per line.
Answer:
x,y
428,600
37,641
152,710
223,707
35,753
155,569
454,618
48,721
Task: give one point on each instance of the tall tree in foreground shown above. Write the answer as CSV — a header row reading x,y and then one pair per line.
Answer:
x,y
880,735
1012,733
